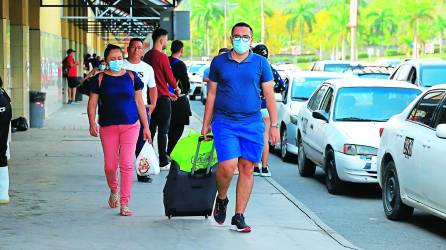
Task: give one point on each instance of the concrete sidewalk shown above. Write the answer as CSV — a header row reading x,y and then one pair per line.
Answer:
x,y
59,201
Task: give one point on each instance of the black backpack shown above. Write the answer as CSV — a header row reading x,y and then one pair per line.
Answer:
x,y
65,67
21,124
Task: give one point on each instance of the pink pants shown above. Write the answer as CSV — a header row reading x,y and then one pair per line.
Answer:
x,y
118,144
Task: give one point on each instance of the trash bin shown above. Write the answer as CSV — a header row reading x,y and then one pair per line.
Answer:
x,y
36,109
78,97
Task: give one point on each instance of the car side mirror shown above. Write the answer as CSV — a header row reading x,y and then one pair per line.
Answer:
x,y
441,131
278,97
321,115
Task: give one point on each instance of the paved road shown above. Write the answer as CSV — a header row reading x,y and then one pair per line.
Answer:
x,y
357,215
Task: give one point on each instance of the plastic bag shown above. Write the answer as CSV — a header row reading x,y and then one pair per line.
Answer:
x,y
147,161
184,152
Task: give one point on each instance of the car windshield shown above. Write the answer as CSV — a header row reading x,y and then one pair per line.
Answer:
x,y
302,88
372,103
375,75
336,67
433,75
195,68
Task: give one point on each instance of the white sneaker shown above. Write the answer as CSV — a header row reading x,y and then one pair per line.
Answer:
x,y
4,185
264,172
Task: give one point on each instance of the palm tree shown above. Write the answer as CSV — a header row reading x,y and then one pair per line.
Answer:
x,y
418,11
203,12
339,16
383,21
440,26
301,15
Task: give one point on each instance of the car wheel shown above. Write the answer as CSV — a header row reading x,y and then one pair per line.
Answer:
x,y
306,167
394,208
286,157
332,181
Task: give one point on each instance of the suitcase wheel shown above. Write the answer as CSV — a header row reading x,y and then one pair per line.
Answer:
x,y
169,216
206,216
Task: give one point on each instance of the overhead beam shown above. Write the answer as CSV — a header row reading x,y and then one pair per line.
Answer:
x,y
110,18
109,8
88,4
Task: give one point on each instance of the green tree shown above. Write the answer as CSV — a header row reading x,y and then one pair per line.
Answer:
x,y
301,15
339,18
418,12
383,23
440,26
203,11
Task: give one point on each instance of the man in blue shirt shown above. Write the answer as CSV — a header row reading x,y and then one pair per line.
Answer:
x,y
234,107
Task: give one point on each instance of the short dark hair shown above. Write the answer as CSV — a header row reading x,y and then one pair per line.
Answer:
x,y
135,39
241,24
176,46
109,48
1,83
158,33
223,50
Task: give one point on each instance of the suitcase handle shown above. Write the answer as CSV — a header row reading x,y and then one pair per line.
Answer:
x,y
201,138
209,159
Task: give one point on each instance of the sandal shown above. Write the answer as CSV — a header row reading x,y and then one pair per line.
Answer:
x,y
113,200
125,211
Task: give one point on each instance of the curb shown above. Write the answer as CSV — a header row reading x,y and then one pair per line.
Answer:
x,y
304,209
312,216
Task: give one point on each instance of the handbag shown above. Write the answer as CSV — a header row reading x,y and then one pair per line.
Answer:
x,y
147,161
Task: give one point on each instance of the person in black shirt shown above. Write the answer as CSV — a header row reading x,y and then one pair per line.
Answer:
x,y
5,120
181,107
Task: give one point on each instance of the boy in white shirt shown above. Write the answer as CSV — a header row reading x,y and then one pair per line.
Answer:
x,y
145,72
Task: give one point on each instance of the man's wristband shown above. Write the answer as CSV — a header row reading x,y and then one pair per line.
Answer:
x,y
274,125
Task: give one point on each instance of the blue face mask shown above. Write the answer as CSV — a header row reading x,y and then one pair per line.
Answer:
x,y
240,46
116,65
101,67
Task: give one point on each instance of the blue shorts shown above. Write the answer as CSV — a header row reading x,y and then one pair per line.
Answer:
x,y
237,139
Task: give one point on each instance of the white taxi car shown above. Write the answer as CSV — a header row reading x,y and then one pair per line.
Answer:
x,y
411,167
302,85
339,127
195,73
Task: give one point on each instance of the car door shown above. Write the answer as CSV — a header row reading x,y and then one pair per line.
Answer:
x,y
412,140
308,132
319,127
433,179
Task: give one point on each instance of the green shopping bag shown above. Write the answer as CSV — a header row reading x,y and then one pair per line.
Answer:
x,y
184,152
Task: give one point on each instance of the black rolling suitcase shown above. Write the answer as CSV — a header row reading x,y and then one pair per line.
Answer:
x,y
190,194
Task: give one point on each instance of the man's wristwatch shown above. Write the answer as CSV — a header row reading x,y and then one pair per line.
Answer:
x,y
274,125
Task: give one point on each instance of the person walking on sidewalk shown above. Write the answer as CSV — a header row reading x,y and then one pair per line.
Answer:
x,y
145,72
102,66
181,107
233,104
72,79
121,104
163,77
206,72
262,50
5,120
